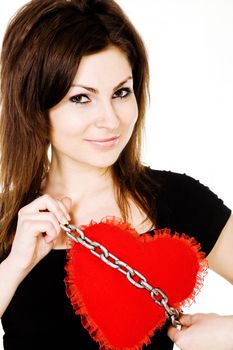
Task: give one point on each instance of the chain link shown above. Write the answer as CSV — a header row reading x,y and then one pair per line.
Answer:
x,y
133,276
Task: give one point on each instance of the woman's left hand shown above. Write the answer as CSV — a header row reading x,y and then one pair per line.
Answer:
x,y
203,332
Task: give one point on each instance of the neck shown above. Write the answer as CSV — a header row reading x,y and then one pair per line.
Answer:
x,y
76,180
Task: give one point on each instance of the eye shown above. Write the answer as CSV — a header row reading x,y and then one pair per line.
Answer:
x,y
122,93
81,99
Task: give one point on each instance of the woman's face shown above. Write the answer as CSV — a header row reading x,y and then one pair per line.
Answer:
x,y
95,120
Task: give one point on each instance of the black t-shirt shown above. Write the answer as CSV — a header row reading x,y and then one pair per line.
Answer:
x,y
40,315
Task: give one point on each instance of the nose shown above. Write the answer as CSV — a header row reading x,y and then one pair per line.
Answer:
x,y
107,116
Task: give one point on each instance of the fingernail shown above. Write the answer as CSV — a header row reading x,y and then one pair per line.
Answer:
x,y
68,217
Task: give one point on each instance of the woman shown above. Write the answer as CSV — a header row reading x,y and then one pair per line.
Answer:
x,y
75,76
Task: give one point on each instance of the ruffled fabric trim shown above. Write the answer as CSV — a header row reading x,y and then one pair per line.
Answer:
x,y
202,272
77,300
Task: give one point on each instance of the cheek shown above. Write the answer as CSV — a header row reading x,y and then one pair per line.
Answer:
x,y
67,122
132,114
129,112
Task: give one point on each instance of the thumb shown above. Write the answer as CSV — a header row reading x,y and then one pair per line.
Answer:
x,y
174,333
186,320
67,201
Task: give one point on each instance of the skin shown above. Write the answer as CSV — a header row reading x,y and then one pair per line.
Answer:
x,y
99,105
210,331
103,107
204,332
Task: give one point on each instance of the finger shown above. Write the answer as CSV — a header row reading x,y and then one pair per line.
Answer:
x,y
173,333
67,201
45,227
42,216
189,320
65,205
45,202
186,320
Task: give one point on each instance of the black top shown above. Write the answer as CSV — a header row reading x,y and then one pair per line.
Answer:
x,y
40,315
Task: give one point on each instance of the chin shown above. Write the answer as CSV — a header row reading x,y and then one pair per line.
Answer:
x,y
102,162
104,165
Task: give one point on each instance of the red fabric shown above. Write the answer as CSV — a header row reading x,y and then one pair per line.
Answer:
x,y
117,314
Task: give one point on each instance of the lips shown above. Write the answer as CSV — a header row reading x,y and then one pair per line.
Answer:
x,y
104,143
104,140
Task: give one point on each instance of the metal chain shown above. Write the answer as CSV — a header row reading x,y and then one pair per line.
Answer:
x,y
133,276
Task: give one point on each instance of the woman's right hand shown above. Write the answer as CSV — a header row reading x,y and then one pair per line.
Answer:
x,y
38,227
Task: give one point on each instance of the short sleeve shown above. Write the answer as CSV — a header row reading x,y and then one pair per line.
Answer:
x,y
187,206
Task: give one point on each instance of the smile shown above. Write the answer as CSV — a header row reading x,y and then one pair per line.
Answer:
x,y
104,143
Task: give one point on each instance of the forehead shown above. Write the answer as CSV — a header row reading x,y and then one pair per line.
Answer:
x,y
105,67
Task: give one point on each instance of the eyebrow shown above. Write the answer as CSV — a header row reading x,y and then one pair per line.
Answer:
x,y
91,89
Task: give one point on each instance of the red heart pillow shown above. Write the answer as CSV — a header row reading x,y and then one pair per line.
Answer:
x,y
117,314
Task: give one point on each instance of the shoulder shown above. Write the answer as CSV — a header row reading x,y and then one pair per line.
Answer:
x,y
185,190
171,178
176,185
188,206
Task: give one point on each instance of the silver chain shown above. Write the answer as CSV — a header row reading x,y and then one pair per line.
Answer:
x,y
158,296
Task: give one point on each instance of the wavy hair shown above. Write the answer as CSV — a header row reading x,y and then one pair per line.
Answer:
x,y
41,52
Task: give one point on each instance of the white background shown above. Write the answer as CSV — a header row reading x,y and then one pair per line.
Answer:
x,y
189,123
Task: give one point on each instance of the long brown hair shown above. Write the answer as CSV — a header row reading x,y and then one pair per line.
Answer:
x,y
41,51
